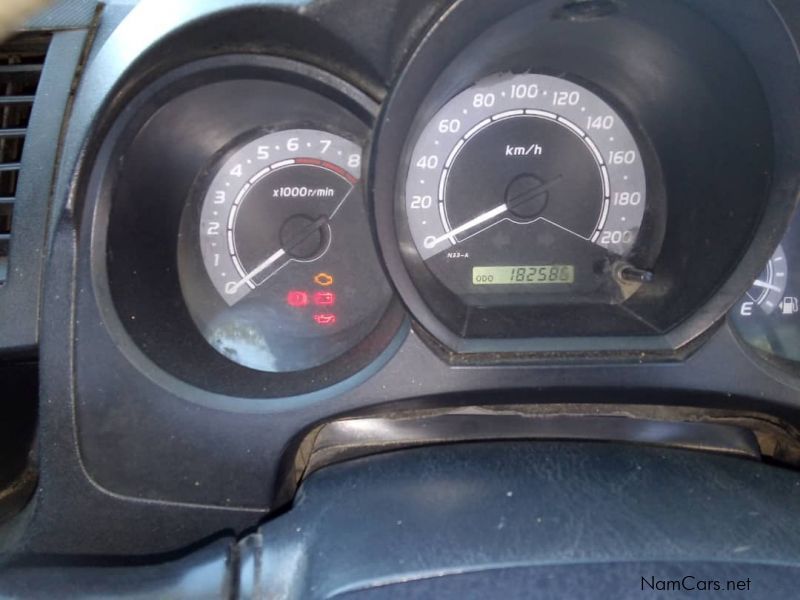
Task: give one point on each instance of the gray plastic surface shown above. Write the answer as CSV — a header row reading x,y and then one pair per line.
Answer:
x,y
19,296
64,14
498,520
620,581
202,574
435,512
73,514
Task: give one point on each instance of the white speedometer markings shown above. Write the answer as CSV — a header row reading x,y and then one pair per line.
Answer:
x,y
471,133
431,242
570,125
500,130
541,113
508,113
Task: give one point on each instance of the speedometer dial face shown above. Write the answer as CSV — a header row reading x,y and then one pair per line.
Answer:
x,y
286,243
527,185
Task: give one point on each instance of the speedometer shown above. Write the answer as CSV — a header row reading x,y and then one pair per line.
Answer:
x,y
539,191
528,185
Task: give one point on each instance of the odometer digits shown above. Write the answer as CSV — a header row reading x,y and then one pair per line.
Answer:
x,y
524,275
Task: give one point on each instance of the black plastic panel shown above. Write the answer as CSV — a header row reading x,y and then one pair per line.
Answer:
x,y
368,527
20,294
177,464
511,520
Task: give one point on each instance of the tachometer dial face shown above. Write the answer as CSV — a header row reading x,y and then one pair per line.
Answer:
x,y
286,243
527,185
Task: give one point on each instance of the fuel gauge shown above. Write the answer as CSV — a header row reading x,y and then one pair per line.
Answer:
x,y
767,293
768,317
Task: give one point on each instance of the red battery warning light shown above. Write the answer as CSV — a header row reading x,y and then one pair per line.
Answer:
x,y
324,298
325,320
297,299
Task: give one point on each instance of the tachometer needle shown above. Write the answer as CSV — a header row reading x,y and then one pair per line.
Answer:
x,y
767,286
298,239
232,288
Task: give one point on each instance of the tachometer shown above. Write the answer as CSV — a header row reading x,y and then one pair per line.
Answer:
x,y
528,184
286,243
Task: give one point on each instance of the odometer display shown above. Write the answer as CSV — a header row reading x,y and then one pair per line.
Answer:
x,y
525,275
527,170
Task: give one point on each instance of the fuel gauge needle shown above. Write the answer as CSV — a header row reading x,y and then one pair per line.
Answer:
x,y
232,288
767,286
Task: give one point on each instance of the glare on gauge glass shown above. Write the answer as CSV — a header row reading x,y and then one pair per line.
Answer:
x,y
286,244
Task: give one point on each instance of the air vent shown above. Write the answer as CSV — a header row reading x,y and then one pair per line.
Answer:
x,y
21,60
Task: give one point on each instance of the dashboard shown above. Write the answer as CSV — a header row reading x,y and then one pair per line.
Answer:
x,y
262,228
280,237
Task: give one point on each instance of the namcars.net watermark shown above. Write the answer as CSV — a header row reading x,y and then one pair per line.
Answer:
x,y
690,583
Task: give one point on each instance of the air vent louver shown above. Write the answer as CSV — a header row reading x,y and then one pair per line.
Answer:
x,y
21,60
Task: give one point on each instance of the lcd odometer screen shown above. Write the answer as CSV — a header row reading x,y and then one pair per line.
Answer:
x,y
524,275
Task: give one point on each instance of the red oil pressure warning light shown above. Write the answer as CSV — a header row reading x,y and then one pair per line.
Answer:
x,y
324,298
297,299
325,320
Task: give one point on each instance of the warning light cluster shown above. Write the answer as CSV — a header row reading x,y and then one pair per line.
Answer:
x,y
299,299
320,300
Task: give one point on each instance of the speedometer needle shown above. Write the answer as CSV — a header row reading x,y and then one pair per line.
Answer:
x,y
512,203
432,242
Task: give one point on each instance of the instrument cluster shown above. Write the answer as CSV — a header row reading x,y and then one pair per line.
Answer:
x,y
544,180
